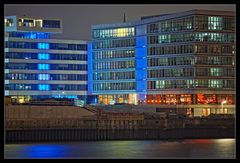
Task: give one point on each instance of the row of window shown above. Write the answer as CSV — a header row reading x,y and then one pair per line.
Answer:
x,y
45,56
172,84
79,77
214,48
45,87
185,60
114,86
114,75
183,49
190,60
180,72
214,23
55,46
214,60
64,46
214,83
192,22
189,98
171,25
176,49
27,22
114,33
108,54
33,66
170,38
114,65
113,43
215,37
28,35
186,37
168,84
215,72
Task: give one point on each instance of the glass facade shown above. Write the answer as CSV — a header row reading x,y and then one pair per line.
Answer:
x,y
192,53
113,62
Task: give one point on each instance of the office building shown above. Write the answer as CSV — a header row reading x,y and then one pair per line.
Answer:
x,y
37,66
182,60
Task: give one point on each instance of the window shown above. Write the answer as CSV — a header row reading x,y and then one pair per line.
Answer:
x,y
43,56
43,87
160,84
51,23
215,71
8,22
43,76
164,38
43,45
215,83
38,23
43,66
215,23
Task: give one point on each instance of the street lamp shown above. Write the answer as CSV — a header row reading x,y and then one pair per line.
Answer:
x,y
223,102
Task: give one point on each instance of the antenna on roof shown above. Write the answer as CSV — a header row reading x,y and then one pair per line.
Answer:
x,y
124,18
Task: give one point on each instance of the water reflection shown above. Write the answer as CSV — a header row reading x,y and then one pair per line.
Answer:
x,y
191,148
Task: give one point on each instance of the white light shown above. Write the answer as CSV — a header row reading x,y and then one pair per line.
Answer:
x,y
224,102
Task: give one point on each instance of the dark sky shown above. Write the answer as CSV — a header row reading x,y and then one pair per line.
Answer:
x,y
77,19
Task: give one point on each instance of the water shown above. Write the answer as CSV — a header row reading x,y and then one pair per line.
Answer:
x,y
189,148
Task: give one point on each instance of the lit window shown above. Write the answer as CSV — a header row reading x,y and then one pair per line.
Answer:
x,y
43,45
43,56
38,23
215,71
215,23
43,87
43,66
9,22
43,76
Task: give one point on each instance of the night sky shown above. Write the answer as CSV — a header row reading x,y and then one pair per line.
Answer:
x,y
77,19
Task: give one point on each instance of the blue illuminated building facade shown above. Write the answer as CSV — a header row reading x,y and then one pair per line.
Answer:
x,y
182,60
37,66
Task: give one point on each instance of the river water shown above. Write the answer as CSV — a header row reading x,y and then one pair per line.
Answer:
x,y
136,149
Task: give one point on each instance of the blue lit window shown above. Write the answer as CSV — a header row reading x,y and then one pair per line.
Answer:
x,y
43,76
43,35
29,35
43,56
43,66
43,45
43,87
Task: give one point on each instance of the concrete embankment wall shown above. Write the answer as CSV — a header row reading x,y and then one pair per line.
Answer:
x,y
58,135
45,112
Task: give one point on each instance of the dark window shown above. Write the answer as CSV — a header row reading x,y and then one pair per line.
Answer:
x,y
51,23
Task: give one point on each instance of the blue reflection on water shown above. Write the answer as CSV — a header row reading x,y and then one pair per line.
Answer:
x,y
46,150
36,150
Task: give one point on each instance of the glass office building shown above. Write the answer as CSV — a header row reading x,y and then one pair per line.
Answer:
x,y
183,60
37,66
